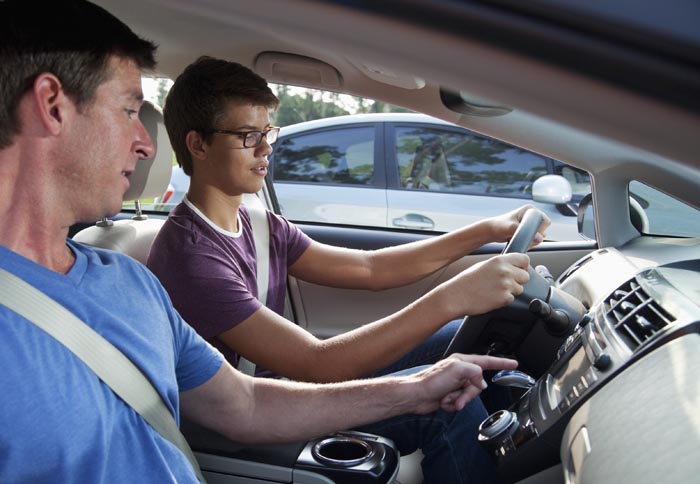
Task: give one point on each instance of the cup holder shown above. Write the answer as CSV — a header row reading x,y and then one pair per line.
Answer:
x,y
342,451
349,456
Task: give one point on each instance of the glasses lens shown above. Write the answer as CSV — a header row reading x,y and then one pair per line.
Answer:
x,y
252,139
271,135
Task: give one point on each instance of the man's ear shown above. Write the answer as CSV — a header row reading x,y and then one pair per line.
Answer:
x,y
50,101
196,145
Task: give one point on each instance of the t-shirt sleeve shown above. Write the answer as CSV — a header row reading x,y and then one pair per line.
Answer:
x,y
197,360
288,234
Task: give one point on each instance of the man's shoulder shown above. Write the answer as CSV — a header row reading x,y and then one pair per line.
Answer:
x,y
97,259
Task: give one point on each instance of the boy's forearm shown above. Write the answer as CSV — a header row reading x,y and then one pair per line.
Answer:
x,y
408,263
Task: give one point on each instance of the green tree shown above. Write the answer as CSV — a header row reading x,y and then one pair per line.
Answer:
x,y
295,108
313,104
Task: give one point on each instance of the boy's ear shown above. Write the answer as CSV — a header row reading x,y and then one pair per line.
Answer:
x,y
196,145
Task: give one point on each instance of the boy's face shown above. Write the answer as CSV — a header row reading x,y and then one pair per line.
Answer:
x,y
229,166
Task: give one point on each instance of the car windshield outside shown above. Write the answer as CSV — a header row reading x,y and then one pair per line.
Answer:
x,y
409,171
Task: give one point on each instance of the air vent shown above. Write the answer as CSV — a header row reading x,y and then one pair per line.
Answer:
x,y
635,315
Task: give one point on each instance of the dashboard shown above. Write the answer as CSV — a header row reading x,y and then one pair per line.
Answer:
x,y
621,401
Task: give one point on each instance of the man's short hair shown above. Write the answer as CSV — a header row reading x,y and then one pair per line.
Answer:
x,y
72,39
200,95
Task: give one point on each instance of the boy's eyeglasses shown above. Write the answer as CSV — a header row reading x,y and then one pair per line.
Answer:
x,y
252,139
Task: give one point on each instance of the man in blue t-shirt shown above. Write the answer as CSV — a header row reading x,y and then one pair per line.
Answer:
x,y
206,259
70,136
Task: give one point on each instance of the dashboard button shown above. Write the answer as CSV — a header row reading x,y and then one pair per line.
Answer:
x,y
602,362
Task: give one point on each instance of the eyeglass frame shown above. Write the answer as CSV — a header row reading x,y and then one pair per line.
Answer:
x,y
244,135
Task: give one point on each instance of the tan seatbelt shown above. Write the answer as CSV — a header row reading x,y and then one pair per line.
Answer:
x,y
261,237
110,365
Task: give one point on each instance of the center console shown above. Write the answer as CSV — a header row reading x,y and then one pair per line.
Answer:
x,y
338,458
526,437
635,318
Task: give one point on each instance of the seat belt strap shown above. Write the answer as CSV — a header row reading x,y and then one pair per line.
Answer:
x,y
110,365
261,237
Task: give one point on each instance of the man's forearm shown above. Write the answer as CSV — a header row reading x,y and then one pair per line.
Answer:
x,y
288,411
258,410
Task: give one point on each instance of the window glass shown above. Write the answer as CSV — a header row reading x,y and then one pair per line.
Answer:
x,y
461,162
343,156
580,180
656,213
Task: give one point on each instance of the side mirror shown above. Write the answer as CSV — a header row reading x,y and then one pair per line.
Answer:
x,y
585,218
551,189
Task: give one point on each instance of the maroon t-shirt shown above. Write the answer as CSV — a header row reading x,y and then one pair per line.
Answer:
x,y
210,273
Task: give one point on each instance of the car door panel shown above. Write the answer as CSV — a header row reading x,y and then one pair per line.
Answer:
x,y
326,311
341,204
449,211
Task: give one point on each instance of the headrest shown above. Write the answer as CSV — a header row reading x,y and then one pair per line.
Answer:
x,y
152,175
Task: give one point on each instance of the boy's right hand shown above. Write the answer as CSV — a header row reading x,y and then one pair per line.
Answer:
x,y
488,285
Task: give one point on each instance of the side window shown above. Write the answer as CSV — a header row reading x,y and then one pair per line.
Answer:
x,y
655,213
331,156
462,162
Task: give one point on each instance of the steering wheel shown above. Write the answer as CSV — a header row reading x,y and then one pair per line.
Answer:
x,y
525,233
502,330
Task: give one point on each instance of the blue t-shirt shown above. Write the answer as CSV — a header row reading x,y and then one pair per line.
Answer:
x,y
211,274
58,421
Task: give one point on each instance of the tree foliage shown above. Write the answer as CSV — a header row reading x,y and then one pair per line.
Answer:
x,y
296,104
296,107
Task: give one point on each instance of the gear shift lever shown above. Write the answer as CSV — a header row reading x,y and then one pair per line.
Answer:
x,y
513,378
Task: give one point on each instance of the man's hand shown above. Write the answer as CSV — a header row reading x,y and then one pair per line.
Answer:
x,y
455,381
503,226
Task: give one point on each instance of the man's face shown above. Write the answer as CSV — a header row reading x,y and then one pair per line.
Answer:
x,y
229,166
105,143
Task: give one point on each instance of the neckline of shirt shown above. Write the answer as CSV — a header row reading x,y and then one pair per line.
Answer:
x,y
206,219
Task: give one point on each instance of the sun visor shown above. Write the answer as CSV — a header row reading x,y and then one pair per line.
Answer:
x,y
282,68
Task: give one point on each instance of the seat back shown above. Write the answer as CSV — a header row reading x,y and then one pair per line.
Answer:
x,y
150,179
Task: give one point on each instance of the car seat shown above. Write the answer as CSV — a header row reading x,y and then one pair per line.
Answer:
x,y
150,179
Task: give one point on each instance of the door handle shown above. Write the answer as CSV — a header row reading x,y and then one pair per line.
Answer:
x,y
414,221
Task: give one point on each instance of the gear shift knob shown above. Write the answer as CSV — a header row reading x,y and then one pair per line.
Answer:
x,y
513,378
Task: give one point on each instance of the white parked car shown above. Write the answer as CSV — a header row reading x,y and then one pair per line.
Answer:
x,y
413,171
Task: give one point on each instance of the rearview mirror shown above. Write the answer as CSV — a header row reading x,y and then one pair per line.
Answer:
x,y
551,189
